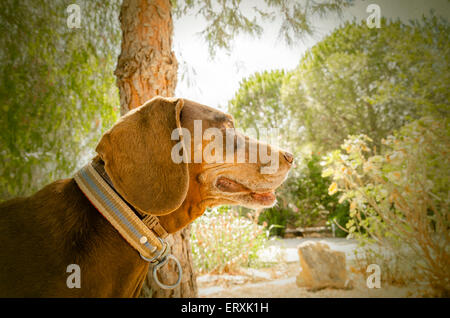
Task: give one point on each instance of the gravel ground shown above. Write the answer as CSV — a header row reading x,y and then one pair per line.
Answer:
x,y
279,280
285,250
286,288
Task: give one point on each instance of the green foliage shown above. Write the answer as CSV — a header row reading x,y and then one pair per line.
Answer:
x,y
297,15
309,198
57,89
312,197
313,201
222,241
277,219
357,80
303,201
226,19
370,81
400,199
257,103
339,217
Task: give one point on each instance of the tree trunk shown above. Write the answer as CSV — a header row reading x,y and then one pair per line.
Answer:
x,y
147,67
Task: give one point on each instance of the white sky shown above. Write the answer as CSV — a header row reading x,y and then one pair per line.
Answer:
x,y
215,81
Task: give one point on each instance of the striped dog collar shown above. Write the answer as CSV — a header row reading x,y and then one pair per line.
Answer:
x,y
138,233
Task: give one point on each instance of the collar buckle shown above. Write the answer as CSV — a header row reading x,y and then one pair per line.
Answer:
x,y
159,260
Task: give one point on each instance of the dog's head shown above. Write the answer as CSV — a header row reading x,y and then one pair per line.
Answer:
x,y
169,151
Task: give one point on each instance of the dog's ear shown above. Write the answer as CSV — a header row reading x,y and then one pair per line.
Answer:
x,y
137,155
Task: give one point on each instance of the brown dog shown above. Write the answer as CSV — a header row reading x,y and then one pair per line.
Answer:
x,y
57,226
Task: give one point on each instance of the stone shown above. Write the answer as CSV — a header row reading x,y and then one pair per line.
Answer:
x,y
321,267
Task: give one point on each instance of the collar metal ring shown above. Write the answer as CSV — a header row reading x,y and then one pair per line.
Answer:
x,y
161,264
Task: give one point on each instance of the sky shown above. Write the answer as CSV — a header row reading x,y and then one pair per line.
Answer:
x,y
215,81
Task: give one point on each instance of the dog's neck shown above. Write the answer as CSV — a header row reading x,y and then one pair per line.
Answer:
x,y
192,207
189,210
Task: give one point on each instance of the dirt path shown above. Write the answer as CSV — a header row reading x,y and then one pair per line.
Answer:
x,y
286,288
279,280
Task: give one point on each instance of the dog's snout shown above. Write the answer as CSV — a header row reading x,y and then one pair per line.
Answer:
x,y
288,156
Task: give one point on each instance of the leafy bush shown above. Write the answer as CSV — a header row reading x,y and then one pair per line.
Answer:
x,y
277,219
314,202
400,200
303,201
222,240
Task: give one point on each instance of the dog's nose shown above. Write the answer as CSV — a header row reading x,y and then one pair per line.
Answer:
x,y
288,156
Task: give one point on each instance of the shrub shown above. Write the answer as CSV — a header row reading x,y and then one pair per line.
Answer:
x,y
304,200
222,241
277,219
313,197
400,200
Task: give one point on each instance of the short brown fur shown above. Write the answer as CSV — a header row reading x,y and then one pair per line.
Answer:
x,y
57,226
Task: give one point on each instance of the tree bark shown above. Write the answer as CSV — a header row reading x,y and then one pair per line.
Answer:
x,y
148,67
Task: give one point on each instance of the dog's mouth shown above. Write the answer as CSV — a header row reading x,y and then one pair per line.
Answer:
x,y
264,198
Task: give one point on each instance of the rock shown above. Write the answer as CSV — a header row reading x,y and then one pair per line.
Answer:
x,y
321,267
